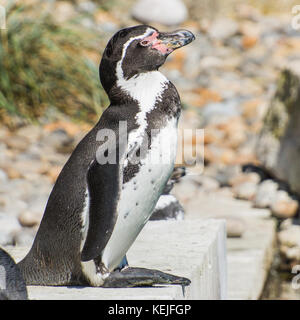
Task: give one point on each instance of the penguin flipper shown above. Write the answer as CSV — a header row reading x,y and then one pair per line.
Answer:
x,y
104,196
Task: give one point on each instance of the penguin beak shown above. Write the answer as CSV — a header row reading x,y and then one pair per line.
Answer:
x,y
168,42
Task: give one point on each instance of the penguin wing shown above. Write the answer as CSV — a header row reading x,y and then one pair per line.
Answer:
x,y
104,183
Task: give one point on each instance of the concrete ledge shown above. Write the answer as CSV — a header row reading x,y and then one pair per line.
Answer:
x,y
195,249
250,258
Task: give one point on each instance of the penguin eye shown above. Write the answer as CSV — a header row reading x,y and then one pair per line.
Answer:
x,y
144,43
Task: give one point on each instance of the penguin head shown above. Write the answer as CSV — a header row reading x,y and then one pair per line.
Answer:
x,y
136,50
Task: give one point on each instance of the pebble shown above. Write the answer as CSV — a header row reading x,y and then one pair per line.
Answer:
x,y
226,192
64,11
219,154
283,206
244,177
289,240
30,219
88,23
167,12
59,140
108,27
266,193
227,174
11,172
87,6
221,112
3,176
245,191
19,188
53,173
213,135
24,237
208,184
211,62
185,190
235,133
28,166
12,204
53,158
4,132
8,225
6,239
31,132
18,143
223,28
286,223
290,236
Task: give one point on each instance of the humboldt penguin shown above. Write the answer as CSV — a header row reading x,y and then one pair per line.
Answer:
x,y
113,180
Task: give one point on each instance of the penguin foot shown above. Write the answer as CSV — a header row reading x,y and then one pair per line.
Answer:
x,y
141,277
123,264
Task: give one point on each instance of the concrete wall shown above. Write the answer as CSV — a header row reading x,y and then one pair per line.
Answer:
x,y
195,249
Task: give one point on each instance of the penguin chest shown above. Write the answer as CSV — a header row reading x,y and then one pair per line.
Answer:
x,y
140,194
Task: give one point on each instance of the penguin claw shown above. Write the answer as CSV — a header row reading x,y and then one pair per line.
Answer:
x,y
141,277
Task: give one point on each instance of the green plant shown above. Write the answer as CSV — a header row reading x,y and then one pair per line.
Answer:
x,y
44,65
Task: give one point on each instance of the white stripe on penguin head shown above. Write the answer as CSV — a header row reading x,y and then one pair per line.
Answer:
x,y
120,74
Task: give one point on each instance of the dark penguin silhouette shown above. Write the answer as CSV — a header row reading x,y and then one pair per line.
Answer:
x,y
109,187
12,284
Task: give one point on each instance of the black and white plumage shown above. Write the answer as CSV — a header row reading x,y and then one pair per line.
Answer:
x,y
95,210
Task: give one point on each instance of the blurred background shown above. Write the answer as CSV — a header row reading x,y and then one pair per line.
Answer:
x,y
240,81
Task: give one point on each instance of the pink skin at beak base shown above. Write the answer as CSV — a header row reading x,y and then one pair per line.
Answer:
x,y
157,44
